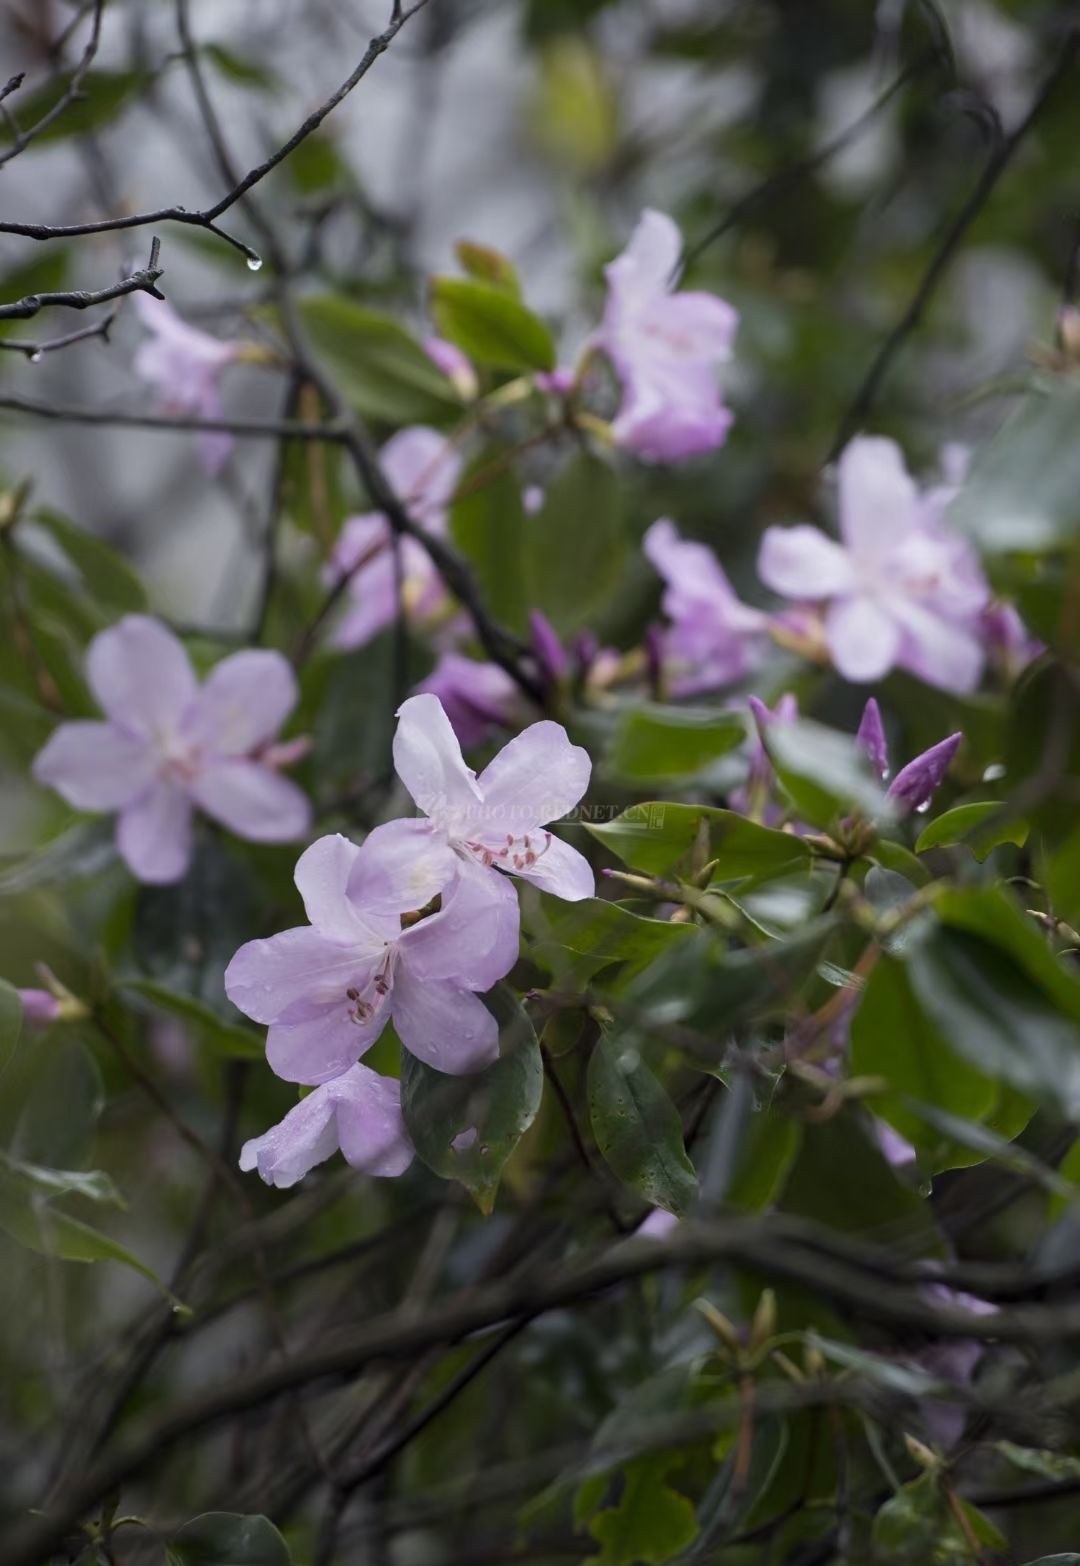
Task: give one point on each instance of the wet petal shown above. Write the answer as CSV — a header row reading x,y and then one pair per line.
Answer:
x,y
253,801
153,833
400,868
871,736
429,763
535,778
915,785
95,766
305,1137
475,938
370,1126
140,673
447,1028
877,499
560,870
282,974
320,1047
322,879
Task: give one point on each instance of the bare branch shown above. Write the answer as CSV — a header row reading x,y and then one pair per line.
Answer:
x,y
143,281
174,423
71,94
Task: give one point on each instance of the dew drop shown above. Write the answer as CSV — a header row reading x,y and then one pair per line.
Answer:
x,y
254,263
37,356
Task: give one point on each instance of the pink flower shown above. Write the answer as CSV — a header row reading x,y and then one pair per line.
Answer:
x,y
454,364
185,365
422,468
168,746
39,1006
496,820
327,989
477,697
665,348
900,590
358,1112
714,638
915,785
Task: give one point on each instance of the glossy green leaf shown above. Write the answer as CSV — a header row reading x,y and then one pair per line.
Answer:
x,y
603,932
892,1037
380,367
63,1073
491,325
655,744
842,1179
93,1184
636,1125
488,524
655,836
465,1128
228,1539
824,772
1022,491
974,825
574,546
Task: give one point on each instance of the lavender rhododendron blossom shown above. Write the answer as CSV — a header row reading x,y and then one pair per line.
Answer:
x,y
478,698
373,953
184,365
755,797
666,348
422,468
899,590
169,746
455,365
714,638
496,820
915,785
358,1112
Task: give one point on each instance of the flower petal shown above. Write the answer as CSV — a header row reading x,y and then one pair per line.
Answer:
x,y
876,496
938,650
647,266
370,1126
322,879
95,766
447,1028
863,640
308,1135
535,778
801,562
153,833
474,938
560,870
140,673
915,785
297,970
401,866
253,801
422,468
318,1048
871,736
429,763
243,703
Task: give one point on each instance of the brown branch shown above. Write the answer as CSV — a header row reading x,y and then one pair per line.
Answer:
x,y
142,281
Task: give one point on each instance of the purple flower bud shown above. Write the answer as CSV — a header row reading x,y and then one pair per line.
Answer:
x,y
914,786
39,1005
549,650
871,736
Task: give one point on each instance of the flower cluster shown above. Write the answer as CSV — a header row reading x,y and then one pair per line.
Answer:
x,y
410,927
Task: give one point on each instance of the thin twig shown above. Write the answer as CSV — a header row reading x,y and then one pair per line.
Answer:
x,y
259,429
71,94
142,281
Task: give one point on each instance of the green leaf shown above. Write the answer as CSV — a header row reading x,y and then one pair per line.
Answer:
x,y
487,265
842,1179
574,546
11,1018
652,1522
102,95
245,73
603,932
491,325
66,1074
696,984
38,1225
489,527
637,1127
962,824
993,1015
486,1114
228,1539
892,1037
655,744
991,912
94,1184
824,772
1048,1465
1021,494
653,837
85,849
106,576
233,1042
768,1151
382,370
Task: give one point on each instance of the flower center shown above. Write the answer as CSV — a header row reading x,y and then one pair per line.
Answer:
x,y
517,853
363,1003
